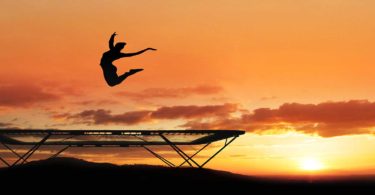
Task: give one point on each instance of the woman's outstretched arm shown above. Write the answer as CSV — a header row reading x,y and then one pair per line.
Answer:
x,y
112,41
136,53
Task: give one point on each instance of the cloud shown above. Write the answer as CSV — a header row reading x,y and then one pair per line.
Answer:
x,y
5,125
101,102
102,116
152,93
326,119
23,95
105,117
62,88
188,112
266,98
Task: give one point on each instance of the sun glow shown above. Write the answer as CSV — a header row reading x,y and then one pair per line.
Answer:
x,y
311,164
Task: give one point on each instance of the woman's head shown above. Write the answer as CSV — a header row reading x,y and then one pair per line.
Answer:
x,y
120,45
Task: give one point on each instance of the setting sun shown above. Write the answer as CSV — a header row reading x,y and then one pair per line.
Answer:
x,y
311,164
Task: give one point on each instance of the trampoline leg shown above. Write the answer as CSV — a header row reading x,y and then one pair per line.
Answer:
x,y
225,145
160,157
28,154
59,152
179,151
5,162
182,154
197,152
13,151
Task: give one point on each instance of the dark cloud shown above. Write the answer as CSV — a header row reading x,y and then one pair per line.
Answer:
x,y
152,93
101,116
5,125
188,112
23,95
95,102
325,119
105,117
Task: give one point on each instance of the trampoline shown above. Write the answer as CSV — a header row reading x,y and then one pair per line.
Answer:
x,y
115,138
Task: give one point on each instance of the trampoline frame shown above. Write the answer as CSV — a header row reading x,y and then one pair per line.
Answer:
x,y
211,136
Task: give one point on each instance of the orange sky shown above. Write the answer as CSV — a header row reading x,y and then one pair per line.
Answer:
x,y
308,64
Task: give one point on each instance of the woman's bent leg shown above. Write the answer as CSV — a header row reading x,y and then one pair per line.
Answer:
x,y
114,80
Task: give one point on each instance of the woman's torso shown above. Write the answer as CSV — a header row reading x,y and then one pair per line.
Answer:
x,y
108,57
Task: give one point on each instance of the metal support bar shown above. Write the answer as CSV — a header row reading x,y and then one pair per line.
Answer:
x,y
170,164
5,162
183,155
159,157
225,145
197,152
59,152
69,138
172,145
13,151
179,151
31,151
35,149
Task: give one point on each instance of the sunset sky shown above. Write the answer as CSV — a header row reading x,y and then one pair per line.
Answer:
x,y
296,75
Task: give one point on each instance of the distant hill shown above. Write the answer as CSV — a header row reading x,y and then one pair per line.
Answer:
x,y
73,172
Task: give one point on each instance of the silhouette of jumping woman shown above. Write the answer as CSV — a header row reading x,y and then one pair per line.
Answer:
x,y
114,53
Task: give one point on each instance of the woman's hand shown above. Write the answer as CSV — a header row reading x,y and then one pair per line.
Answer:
x,y
114,34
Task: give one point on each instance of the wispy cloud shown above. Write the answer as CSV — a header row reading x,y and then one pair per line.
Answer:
x,y
266,98
23,95
152,93
5,125
101,116
325,119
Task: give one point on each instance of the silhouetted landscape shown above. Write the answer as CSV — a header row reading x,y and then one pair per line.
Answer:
x,y
75,171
